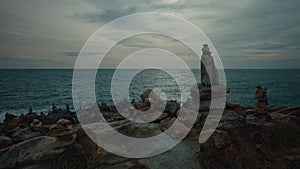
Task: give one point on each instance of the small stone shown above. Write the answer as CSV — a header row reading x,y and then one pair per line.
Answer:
x,y
36,123
64,122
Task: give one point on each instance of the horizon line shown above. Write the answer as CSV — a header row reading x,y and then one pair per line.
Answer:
x,y
149,68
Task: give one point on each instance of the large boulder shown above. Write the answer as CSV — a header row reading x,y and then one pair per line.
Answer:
x,y
68,149
38,150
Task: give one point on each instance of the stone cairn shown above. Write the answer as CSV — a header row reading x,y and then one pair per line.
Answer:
x,y
209,77
208,68
262,102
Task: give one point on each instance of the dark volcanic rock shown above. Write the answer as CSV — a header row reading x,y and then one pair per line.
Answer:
x,y
37,150
9,117
249,146
243,139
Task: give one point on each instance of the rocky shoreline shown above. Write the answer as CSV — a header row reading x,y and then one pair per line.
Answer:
x,y
242,140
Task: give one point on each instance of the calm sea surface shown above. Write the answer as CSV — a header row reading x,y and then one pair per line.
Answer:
x,y
20,89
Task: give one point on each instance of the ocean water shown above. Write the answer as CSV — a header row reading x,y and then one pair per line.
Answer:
x,y
20,89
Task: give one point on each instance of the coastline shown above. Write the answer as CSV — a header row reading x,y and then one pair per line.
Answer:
x,y
242,140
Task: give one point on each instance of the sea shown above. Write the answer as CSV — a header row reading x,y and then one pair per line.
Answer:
x,y
21,89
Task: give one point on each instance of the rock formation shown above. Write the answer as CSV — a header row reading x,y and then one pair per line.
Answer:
x,y
262,99
209,72
55,141
262,102
209,79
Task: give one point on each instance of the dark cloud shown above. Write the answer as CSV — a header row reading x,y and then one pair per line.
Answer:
x,y
246,33
73,54
106,16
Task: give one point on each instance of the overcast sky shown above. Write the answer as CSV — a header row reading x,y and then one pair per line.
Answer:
x,y
246,33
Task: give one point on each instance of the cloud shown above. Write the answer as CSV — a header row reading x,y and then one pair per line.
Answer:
x,y
107,15
72,54
244,32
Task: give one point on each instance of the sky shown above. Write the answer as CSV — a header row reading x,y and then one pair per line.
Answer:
x,y
247,34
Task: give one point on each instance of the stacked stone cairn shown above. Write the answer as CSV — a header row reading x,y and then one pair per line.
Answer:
x,y
262,103
209,77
